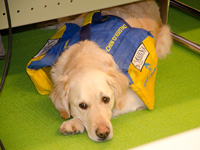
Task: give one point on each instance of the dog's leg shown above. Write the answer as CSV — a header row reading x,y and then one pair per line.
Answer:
x,y
130,102
72,126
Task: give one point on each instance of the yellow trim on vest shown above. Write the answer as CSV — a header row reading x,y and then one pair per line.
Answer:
x,y
59,33
144,80
88,18
40,78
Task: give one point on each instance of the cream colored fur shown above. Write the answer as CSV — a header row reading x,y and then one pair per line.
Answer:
x,y
86,75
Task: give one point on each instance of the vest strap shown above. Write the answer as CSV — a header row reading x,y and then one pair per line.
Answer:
x,y
92,17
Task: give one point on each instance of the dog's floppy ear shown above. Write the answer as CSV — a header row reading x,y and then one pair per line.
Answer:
x,y
59,96
119,83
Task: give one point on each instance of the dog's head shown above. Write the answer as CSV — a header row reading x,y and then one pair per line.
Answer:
x,y
90,93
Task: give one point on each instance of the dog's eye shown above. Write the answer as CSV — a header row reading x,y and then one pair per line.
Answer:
x,y
105,99
83,105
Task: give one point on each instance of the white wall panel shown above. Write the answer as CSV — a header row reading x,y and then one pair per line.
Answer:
x,y
25,12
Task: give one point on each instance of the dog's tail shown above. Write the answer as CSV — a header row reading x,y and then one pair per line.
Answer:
x,y
164,42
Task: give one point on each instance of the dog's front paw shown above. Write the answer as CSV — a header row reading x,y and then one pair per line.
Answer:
x,y
73,126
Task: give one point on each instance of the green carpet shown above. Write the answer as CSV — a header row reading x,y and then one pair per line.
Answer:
x,y
29,121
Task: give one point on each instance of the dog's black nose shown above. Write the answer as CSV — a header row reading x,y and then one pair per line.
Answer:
x,y
102,132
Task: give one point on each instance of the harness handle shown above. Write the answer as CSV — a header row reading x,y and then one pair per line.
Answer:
x,y
92,17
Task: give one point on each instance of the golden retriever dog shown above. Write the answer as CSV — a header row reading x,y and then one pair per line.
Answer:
x,y
88,84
